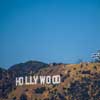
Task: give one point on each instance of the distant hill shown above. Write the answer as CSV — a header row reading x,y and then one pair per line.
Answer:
x,y
26,68
78,82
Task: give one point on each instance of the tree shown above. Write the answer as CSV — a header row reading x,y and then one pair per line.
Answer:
x,y
96,56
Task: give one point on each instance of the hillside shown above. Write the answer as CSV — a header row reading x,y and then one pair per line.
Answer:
x,y
78,82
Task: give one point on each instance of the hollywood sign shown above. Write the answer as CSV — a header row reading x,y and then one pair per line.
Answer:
x,y
32,80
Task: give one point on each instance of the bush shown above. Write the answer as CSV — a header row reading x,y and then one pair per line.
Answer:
x,y
23,97
40,90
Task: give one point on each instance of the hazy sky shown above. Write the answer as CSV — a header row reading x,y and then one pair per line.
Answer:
x,y
48,30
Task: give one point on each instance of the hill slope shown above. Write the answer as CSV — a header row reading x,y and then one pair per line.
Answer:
x,y
78,82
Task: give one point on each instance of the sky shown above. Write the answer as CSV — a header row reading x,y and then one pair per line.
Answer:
x,y
48,30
